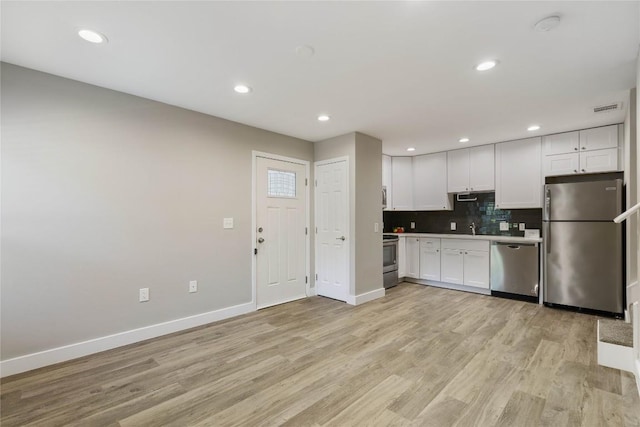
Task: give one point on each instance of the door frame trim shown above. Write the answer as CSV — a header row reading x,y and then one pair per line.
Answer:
x,y
349,296
254,206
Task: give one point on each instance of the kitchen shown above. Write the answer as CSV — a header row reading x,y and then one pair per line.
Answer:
x,y
477,220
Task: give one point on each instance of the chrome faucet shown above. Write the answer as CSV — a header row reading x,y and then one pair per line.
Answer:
x,y
473,228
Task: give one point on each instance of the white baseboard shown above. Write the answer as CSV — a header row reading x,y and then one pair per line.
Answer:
x,y
72,351
366,297
453,286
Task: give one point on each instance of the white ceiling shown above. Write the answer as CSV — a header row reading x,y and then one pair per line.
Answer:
x,y
399,71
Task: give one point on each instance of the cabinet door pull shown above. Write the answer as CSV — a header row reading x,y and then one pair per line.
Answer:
x,y
582,170
575,148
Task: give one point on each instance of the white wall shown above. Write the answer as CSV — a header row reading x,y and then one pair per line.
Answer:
x,y
104,193
365,204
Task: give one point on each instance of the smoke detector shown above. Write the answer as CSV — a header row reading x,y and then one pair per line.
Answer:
x,y
547,24
608,107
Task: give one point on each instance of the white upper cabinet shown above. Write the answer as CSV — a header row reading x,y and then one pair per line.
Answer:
x,y
458,171
482,168
429,183
402,183
518,174
471,169
562,164
599,160
585,151
386,179
561,143
599,138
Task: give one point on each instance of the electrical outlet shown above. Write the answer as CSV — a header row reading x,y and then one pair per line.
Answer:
x,y
193,286
522,226
144,294
227,223
453,226
413,225
504,226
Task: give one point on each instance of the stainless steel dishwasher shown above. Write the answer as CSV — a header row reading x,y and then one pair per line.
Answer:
x,y
515,272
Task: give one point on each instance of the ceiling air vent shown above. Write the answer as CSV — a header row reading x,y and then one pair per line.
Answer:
x,y
608,107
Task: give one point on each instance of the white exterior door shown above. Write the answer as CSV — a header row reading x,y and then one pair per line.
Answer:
x,y
332,221
280,232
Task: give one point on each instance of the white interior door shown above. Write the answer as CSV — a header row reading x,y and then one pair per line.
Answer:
x,y
280,232
332,220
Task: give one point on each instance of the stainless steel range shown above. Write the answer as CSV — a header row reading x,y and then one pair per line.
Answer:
x,y
390,261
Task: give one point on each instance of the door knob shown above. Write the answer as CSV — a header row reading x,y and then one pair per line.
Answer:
x,y
341,238
260,240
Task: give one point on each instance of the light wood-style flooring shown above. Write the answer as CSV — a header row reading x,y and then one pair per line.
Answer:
x,y
420,356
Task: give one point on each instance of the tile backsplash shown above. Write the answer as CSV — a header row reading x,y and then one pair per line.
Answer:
x,y
482,212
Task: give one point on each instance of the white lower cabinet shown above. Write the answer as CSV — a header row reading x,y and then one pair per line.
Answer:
x,y
452,266
430,259
402,256
465,262
476,269
413,257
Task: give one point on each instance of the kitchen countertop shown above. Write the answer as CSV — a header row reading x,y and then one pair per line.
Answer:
x,y
508,239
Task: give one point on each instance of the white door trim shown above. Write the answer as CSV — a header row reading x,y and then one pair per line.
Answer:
x,y
350,295
306,164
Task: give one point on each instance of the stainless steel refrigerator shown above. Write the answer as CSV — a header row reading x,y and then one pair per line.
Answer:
x,y
583,262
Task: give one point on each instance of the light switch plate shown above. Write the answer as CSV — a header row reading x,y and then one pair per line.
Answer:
x,y
453,226
143,295
504,226
193,286
227,223
376,227
522,226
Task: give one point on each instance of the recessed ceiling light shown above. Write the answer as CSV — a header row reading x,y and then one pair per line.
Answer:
x,y
486,65
323,118
464,139
547,24
533,127
92,36
305,51
242,89
411,149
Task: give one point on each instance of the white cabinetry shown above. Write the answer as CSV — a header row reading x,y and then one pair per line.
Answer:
x,y
562,143
518,174
476,269
402,256
471,169
402,183
413,257
599,138
386,179
429,183
452,266
430,259
465,262
585,151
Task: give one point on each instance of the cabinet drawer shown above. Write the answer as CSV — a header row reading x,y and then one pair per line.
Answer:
x,y
429,242
463,244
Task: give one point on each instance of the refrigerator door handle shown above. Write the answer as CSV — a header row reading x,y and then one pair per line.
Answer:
x,y
547,236
547,203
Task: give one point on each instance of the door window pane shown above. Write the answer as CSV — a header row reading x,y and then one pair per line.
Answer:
x,y
281,183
